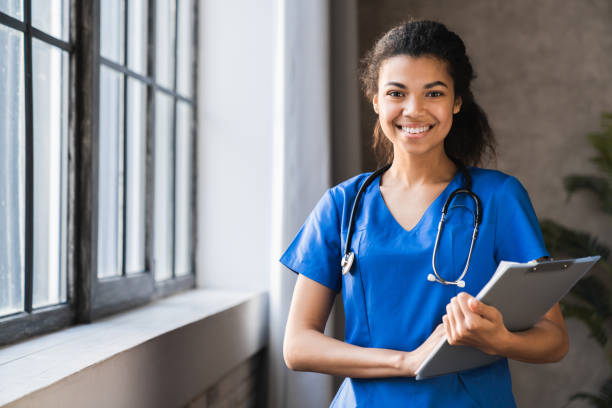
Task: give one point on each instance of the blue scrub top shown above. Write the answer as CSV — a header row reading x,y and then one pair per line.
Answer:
x,y
388,301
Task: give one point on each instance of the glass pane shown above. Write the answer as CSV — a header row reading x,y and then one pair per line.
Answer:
x,y
186,33
183,220
162,196
110,173
13,8
136,176
164,43
52,17
137,35
50,96
112,30
12,171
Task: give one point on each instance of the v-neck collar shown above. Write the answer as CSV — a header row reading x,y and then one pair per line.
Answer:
x,y
434,204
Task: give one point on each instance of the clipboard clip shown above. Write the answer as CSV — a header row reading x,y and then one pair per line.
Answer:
x,y
552,265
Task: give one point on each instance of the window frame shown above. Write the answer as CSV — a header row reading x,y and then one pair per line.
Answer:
x,y
90,297
110,295
30,321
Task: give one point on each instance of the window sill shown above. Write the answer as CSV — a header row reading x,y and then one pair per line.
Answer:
x,y
162,354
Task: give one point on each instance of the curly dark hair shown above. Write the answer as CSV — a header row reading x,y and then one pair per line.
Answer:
x,y
470,138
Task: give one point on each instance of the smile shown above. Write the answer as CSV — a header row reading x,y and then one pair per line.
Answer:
x,y
414,130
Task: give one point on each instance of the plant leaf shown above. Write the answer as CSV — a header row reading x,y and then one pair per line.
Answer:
x,y
602,142
595,400
564,242
600,186
592,290
589,316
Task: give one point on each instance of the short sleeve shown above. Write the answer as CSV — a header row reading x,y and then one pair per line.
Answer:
x,y
518,237
315,251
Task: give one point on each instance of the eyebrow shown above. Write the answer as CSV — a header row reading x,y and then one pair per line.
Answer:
x,y
427,86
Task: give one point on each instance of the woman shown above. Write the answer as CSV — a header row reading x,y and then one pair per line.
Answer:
x,y
429,129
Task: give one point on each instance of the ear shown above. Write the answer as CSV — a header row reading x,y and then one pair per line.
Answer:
x,y
457,105
375,103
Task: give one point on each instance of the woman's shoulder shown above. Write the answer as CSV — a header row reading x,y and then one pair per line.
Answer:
x,y
497,184
348,189
491,178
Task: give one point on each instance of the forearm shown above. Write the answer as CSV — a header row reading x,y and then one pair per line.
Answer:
x,y
545,342
311,350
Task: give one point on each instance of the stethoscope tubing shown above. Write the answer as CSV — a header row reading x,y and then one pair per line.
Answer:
x,y
349,256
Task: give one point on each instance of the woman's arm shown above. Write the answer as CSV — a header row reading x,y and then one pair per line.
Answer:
x,y
306,348
472,323
546,342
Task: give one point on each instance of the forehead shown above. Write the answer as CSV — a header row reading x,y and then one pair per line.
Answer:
x,y
413,71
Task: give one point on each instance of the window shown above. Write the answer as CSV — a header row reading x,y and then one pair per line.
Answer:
x,y
97,157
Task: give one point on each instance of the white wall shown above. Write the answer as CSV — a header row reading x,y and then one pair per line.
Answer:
x,y
264,156
235,122
302,173
278,122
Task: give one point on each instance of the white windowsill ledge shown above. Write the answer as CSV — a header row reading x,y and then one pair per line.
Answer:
x,y
160,355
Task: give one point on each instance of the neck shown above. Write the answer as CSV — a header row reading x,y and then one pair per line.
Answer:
x,y
409,170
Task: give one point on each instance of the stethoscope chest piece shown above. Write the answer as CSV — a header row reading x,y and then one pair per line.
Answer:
x,y
432,278
347,262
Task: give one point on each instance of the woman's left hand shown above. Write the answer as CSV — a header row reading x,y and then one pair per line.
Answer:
x,y
469,322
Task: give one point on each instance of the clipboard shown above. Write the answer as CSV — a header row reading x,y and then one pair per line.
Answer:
x,y
523,293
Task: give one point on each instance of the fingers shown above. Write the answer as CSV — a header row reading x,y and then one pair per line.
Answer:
x,y
479,308
469,322
459,320
454,321
448,328
469,317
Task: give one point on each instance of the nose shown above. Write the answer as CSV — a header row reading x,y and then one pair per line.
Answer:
x,y
412,106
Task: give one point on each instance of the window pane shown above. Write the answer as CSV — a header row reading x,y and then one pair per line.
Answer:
x,y
162,213
12,171
184,79
164,42
112,30
51,16
135,178
110,177
50,96
184,182
13,8
137,35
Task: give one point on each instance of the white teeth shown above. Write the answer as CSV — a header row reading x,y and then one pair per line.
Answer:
x,y
415,130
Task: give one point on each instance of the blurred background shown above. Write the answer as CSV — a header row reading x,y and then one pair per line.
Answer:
x,y
180,145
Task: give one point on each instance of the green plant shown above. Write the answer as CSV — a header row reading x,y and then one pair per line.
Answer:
x,y
589,300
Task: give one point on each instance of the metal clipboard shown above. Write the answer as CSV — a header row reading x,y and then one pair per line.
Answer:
x,y
523,293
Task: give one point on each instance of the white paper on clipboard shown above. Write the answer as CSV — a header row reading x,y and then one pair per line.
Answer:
x,y
523,293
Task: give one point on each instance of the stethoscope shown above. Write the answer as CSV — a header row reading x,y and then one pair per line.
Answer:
x,y
349,256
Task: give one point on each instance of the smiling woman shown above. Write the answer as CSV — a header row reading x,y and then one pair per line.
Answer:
x,y
429,137
414,103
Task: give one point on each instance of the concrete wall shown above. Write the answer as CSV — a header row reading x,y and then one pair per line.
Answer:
x,y
243,387
544,75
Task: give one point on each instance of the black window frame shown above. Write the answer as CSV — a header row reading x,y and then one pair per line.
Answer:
x,y
90,297
32,321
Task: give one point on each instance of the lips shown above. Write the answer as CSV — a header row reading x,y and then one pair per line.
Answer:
x,y
415,131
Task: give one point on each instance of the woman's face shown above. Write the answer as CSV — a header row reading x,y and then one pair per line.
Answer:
x,y
415,103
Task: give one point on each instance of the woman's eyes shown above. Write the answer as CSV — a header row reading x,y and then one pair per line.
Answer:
x,y
431,94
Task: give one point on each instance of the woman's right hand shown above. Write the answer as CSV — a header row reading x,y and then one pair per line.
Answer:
x,y
415,358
